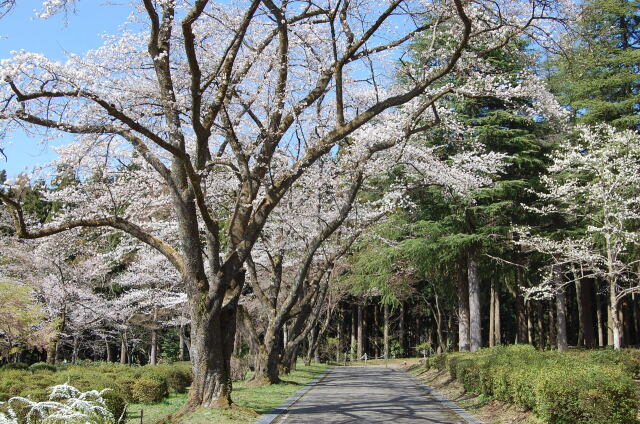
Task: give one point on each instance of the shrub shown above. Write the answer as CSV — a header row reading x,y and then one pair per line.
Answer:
x,y
571,388
15,366
115,404
124,387
179,379
149,390
42,366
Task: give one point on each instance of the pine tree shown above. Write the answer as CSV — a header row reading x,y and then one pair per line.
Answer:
x,y
598,77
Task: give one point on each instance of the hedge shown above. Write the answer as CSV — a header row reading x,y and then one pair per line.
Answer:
x,y
581,387
127,383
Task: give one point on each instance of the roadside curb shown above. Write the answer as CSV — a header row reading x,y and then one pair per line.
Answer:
x,y
462,413
271,416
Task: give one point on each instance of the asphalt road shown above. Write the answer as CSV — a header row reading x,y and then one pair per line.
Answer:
x,y
368,395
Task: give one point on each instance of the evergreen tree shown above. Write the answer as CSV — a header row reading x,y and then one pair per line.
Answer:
x,y
598,77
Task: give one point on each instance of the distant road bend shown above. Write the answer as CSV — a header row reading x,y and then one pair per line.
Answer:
x,y
368,395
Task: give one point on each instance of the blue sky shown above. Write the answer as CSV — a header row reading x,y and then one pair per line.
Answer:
x,y
76,32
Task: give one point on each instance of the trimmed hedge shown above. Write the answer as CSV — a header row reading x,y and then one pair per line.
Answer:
x,y
121,379
588,387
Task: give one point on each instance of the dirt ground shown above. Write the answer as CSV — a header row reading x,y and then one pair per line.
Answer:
x,y
487,410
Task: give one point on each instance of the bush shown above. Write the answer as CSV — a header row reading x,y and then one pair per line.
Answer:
x,y
149,390
15,366
42,366
572,388
178,379
115,404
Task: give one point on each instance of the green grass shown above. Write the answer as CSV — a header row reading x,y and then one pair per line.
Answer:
x,y
250,400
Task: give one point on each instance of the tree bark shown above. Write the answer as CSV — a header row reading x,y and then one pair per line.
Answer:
x,y
474,301
354,331
616,324
360,332
586,306
123,347
181,341
386,331
497,326
492,315
561,310
600,321
401,332
463,305
153,354
553,325
522,320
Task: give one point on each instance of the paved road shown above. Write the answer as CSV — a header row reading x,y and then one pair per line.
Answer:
x,y
368,395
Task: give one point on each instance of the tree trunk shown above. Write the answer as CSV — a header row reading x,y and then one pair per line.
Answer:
x,y
553,326
616,324
530,329
401,335
540,325
354,322
339,334
497,326
212,336
181,337
266,369
123,347
610,335
474,301
107,347
600,321
636,317
586,305
580,341
492,312
561,311
360,332
463,305
522,320
153,355
386,331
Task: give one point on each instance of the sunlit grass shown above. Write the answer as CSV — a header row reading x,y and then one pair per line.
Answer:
x,y
250,401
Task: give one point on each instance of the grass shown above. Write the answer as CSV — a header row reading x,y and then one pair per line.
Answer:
x,y
250,401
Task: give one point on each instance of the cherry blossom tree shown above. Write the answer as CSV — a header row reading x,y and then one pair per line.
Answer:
x,y
592,183
220,108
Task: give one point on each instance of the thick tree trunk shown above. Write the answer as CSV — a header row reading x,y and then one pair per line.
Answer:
x,y
386,331
521,311
474,302
212,337
181,341
463,305
540,325
561,311
360,332
616,324
266,369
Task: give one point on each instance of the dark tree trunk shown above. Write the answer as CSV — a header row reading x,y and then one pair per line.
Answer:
x,y
600,320
181,341
401,332
552,341
463,305
153,354
360,332
123,347
354,331
586,305
107,347
475,331
522,332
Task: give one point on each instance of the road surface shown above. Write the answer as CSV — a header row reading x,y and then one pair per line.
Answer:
x,y
368,395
